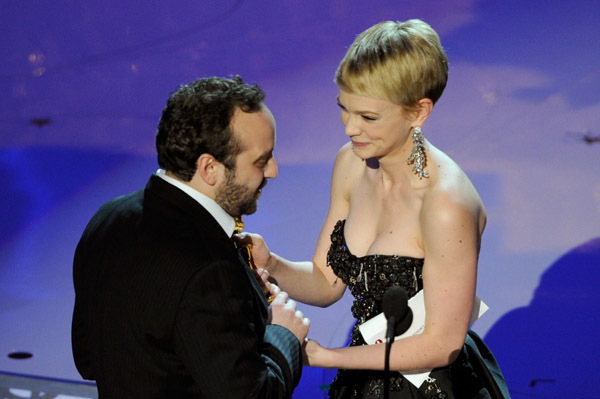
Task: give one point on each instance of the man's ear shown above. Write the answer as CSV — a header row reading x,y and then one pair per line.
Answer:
x,y
209,169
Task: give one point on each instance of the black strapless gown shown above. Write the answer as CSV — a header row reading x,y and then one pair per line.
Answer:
x,y
474,374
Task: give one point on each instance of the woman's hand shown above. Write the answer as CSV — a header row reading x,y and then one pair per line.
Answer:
x,y
260,252
270,290
312,353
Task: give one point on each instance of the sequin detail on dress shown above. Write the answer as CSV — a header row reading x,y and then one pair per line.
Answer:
x,y
474,374
368,277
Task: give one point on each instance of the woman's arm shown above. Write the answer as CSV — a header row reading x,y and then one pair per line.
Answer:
x,y
313,282
451,226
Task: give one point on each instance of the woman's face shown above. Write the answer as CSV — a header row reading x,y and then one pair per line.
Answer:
x,y
377,128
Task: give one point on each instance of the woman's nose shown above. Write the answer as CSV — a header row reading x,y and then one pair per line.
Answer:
x,y
351,125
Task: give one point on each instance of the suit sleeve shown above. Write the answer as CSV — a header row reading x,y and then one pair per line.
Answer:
x,y
80,334
218,336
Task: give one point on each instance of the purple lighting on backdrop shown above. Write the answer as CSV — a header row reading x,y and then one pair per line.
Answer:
x,y
83,85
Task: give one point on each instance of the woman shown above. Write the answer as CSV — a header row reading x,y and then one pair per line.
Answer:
x,y
401,213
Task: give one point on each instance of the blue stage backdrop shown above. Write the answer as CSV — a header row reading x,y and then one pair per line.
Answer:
x,y
83,85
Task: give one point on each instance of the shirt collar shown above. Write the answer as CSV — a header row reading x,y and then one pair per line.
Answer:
x,y
224,219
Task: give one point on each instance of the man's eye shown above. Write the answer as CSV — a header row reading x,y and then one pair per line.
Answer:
x,y
368,118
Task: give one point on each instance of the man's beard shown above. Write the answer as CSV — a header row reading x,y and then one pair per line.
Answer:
x,y
237,199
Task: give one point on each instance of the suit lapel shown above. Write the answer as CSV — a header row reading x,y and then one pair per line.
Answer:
x,y
254,282
208,229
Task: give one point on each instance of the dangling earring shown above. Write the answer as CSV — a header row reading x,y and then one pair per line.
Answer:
x,y
417,156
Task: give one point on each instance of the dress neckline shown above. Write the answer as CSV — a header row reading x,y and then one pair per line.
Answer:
x,y
342,223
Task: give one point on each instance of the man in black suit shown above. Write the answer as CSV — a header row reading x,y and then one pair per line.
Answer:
x,y
165,306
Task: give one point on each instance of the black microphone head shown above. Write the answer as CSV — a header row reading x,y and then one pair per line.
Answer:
x,y
395,305
404,323
395,302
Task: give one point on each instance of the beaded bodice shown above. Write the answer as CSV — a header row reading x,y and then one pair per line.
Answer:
x,y
368,277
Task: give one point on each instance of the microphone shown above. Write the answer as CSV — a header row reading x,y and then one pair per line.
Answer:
x,y
397,312
399,317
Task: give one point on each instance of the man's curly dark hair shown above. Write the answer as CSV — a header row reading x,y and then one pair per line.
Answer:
x,y
197,120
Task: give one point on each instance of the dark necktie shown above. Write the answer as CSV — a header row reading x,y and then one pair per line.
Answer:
x,y
244,249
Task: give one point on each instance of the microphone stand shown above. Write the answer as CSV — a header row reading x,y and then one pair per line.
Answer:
x,y
388,347
399,318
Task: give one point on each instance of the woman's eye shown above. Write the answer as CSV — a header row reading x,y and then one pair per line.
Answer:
x,y
368,118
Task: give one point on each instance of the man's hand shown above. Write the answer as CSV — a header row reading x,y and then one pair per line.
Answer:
x,y
283,312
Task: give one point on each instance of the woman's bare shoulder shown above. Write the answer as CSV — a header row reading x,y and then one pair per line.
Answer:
x,y
348,167
452,192
346,155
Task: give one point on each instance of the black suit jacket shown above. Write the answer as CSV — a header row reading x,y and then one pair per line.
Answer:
x,y
165,308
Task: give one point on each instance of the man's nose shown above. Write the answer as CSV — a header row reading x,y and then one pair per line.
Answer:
x,y
271,169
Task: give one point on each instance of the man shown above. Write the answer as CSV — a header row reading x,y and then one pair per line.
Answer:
x,y
165,307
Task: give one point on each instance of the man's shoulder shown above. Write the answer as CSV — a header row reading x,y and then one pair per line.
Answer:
x,y
114,212
120,205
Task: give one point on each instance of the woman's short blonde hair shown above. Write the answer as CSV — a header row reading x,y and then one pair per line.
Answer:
x,y
400,62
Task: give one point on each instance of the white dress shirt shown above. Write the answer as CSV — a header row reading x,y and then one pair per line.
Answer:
x,y
224,219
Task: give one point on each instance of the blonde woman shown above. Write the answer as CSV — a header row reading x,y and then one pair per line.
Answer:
x,y
401,213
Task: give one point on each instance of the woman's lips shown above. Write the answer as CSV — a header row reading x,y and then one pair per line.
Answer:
x,y
359,144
